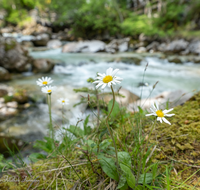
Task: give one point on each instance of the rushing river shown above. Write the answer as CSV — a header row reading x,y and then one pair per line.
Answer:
x,y
75,68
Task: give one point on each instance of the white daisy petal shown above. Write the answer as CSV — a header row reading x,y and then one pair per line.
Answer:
x,y
118,78
169,115
152,110
114,72
109,84
97,81
113,82
157,106
159,119
166,111
166,121
109,71
102,75
153,106
104,85
150,114
98,85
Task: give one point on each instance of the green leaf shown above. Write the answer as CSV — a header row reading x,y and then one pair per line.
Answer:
x,y
87,129
76,131
115,110
124,158
44,145
105,143
109,167
122,185
140,110
36,156
145,178
130,178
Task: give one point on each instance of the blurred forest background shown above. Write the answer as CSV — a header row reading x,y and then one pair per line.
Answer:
x,y
89,19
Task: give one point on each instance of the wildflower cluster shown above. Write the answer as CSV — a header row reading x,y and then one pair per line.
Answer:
x,y
45,82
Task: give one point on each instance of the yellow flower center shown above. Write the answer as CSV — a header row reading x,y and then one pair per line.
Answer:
x,y
107,79
49,91
44,82
160,113
63,101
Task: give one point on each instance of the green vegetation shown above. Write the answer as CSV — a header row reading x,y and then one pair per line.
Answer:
x,y
150,154
91,18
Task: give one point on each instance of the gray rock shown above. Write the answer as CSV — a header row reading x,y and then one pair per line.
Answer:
x,y
128,98
4,74
194,48
162,47
115,45
177,46
129,60
27,44
42,66
3,92
141,50
13,56
153,46
41,40
174,98
176,60
54,44
86,46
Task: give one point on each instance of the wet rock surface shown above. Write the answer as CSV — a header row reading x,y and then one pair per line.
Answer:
x,y
41,39
42,66
4,74
13,56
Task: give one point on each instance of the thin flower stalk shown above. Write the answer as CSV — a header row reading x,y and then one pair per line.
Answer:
x,y
109,79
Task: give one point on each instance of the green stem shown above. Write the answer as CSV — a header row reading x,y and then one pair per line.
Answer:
x,y
50,118
63,115
109,127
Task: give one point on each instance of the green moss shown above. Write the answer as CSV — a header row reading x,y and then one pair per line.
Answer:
x,y
181,140
11,45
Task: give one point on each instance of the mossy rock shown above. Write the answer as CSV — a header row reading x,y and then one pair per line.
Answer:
x,y
180,141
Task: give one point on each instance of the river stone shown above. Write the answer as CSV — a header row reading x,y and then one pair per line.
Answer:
x,y
85,46
3,92
153,46
128,98
27,44
4,74
141,50
162,47
176,60
174,98
194,47
54,44
41,40
115,45
129,60
13,56
177,46
42,66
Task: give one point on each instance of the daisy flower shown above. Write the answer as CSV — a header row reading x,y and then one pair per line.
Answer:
x,y
63,101
107,79
48,89
160,114
44,81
